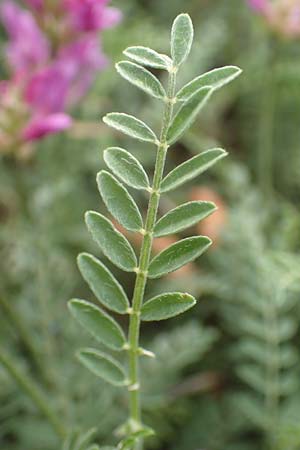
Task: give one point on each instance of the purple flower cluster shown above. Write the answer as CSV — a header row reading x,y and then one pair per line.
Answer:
x,y
53,53
282,16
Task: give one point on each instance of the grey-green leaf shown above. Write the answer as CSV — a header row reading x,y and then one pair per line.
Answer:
x,y
113,244
129,442
126,167
182,217
142,78
98,323
119,202
167,305
177,255
187,114
102,365
181,38
191,169
104,285
215,78
131,126
148,57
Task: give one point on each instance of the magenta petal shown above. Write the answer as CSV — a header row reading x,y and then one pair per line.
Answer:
x,y
42,126
111,17
259,5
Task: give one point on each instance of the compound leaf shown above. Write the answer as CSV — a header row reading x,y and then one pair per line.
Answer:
x,y
187,114
177,255
131,126
148,57
181,38
119,202
126,167
104,285
102,365
98,323
113,244
167,305
215,78
191,169
142,78
182,217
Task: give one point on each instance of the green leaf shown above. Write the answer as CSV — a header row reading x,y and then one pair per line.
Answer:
x,y
177,255
126,167
119,202
104,285
142,78
129,442
182,217
148,57
102,365
191,169
187,114
85,439
131,126
113,244
98,323
165,306
181,38
215,78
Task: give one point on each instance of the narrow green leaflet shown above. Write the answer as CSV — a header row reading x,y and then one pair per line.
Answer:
x,y
187,114
126,167
104,285
177,255
142,78
165,306
181,38
119,202
215,78
113,244
148,57
131,126
85,439
98,323
182,217
191,169
129,442
102,365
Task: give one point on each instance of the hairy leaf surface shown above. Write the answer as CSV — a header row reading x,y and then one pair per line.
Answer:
x,y
191,169
113,244
102,365
126,167
167,305
181,38
148,57
131,126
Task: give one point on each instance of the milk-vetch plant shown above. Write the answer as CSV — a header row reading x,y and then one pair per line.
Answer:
x,y
188,101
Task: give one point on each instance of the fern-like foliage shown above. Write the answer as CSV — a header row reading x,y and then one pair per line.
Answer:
x,y
127,170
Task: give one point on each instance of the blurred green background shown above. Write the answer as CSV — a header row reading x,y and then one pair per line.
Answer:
x,y
227,374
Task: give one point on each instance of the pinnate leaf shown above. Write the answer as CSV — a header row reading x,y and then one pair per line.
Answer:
x,y
112,243
148,57
215,78
126,167
187,114
182,217
191,169
177,255
142,78
98,323
119,202
167,305
104,285
102,365
131,126
181,38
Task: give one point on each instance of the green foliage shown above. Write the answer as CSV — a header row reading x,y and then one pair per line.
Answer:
x,y
122,206
148,57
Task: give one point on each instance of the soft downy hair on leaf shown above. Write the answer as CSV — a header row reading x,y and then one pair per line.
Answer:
x,y
180,111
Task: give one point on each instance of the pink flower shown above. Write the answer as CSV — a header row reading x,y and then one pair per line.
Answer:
x,y
35,4
91,15
259,5
41,126
28,47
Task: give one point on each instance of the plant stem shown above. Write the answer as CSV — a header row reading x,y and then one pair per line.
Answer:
x,y
26,339
145,253
34,392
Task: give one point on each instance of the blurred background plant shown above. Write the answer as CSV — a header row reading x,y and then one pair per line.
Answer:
x,y
233,362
